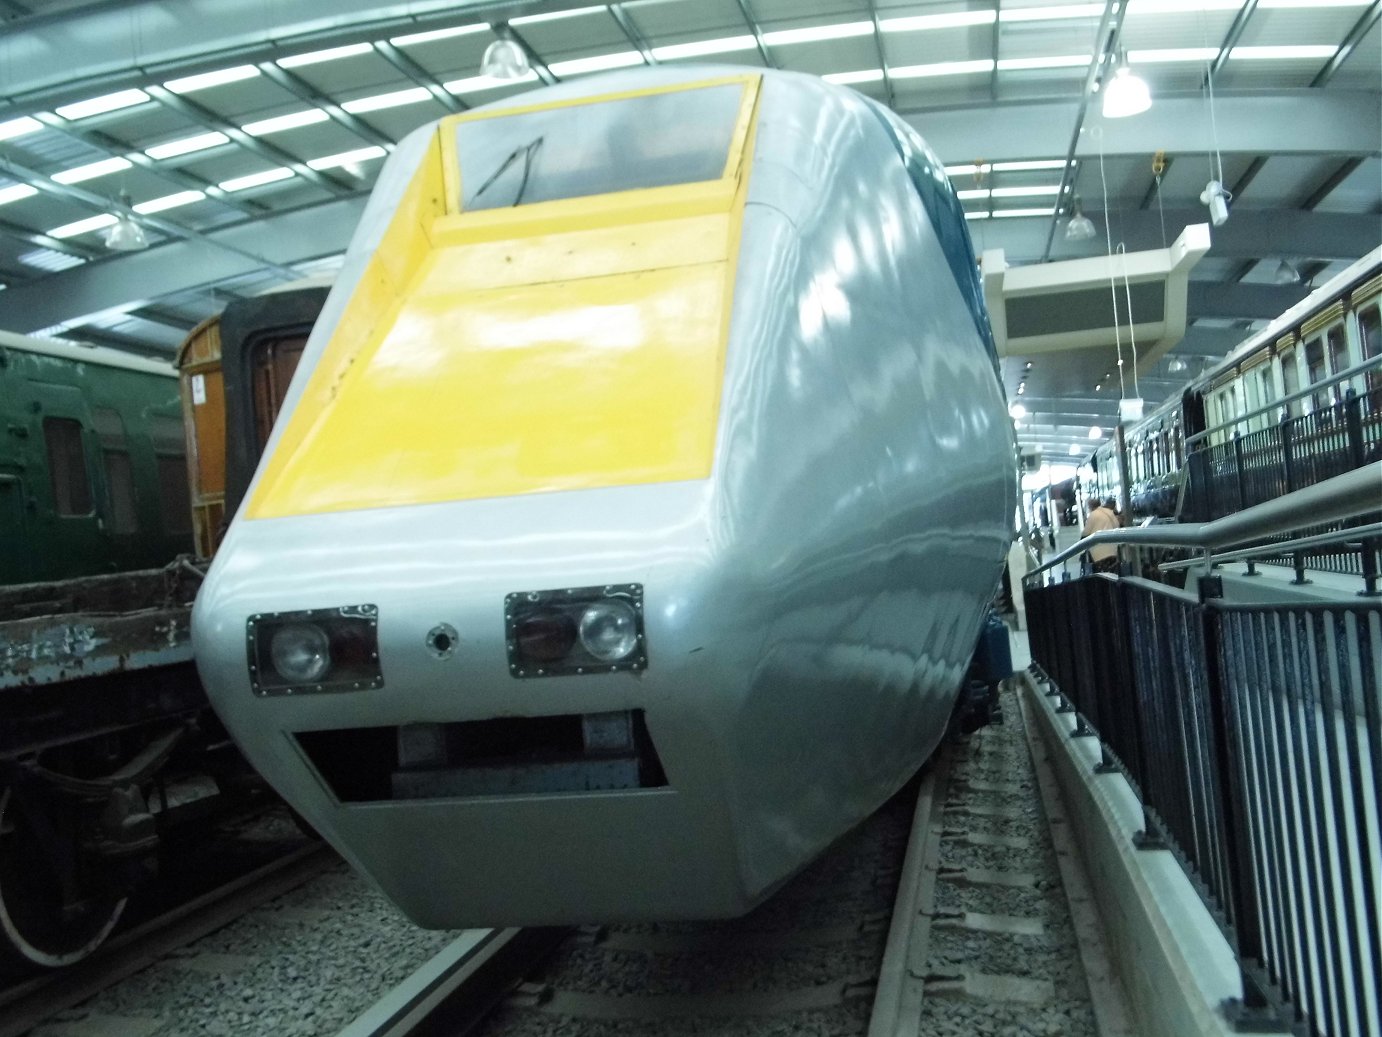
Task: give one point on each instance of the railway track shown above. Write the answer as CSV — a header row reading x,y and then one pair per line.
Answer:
x,y
948,912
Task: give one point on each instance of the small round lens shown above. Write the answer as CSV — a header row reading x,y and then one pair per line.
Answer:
x,y
545,637
300,652
609,630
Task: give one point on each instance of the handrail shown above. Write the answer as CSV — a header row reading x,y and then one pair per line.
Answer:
x,y
1299,394
1277,547
1341,497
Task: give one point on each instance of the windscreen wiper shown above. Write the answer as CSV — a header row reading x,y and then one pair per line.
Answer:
x,y
528,151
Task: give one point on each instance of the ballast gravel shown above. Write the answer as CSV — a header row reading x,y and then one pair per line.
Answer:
x,y
303,965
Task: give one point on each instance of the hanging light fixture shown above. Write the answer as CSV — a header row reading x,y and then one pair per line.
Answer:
x,y
1286,274
504,59
1126,94
126,235
1080,227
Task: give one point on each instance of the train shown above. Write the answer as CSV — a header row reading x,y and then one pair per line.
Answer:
x,y
101,711
93,472
633,512
1290,406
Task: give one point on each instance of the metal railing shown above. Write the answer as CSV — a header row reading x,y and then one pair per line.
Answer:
x,y
1252,735
1301,450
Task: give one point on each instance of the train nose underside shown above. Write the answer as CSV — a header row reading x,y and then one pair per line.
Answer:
x,y
506,739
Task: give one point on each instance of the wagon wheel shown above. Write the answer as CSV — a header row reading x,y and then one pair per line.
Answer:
x,y
39,926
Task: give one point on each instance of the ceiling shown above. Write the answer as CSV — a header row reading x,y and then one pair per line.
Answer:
x,y
246,137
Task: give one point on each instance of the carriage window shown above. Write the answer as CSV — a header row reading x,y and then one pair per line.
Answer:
x,y
1290,381
273,359
115,457
67,466
1370,338
174,498
1338,356
677,137
1315,370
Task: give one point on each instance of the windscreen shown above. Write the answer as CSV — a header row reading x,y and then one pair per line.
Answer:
x,y
653,140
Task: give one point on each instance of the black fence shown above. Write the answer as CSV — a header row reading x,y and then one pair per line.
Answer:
x,y
1302,450
1252,736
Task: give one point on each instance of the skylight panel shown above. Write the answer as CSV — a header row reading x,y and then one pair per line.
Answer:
x,y
346,158
316,57
700,48
291,121
390,100
187,145
474,83
817,33
1027,166
1283,53
926,22
268,176
971,195
168,201
91,170
16,192
100,105
50,260
552,16
999,213
865,75
1054,61
1140,7
1051,14
943,68
1170,54
598,63
18,127
71,230
432,35
189,84
1025,192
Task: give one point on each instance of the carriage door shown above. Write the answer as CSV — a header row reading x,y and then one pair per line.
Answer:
x,y
69,534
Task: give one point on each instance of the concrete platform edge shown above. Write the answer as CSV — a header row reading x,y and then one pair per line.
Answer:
x,y
1174,965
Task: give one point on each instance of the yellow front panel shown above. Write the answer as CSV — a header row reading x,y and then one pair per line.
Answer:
x,y
598,382
569,344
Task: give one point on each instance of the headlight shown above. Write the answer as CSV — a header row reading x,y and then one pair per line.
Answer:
x,y
609,630
300,652
314,650
575,630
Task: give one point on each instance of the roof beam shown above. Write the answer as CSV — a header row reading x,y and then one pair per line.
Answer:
x,y
1351,41
283,241
1323,122
1248,301
1248,234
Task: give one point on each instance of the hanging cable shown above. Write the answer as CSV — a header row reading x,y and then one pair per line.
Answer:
x,y
1098,132
1132,333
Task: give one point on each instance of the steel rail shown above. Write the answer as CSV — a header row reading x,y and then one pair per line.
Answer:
x,y
1344,496
897,998
459,985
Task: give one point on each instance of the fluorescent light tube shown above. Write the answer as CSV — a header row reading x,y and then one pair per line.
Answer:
x,y
91,170
101,105
188,84
269,176
187,145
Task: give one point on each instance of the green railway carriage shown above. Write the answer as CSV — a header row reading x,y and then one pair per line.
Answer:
x,y
93,471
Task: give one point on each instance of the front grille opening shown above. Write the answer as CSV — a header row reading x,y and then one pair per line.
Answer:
x,y
577,752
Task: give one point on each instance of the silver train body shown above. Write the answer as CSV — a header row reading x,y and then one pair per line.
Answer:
x,y
805,607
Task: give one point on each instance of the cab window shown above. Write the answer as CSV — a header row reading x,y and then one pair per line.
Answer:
x,y
653,140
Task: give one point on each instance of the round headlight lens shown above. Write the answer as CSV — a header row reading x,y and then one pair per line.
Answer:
x,y
609,630
545,637
300,652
